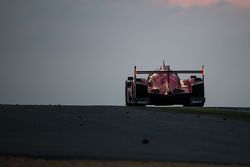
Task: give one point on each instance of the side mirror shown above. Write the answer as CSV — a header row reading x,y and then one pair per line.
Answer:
x,y
130,78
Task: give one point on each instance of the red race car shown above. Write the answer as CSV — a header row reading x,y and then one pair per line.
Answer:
x,y
164,87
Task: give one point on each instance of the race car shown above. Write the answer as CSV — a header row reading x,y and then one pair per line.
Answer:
x,y
164,87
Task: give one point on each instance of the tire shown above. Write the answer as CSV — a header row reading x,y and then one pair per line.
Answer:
x,y
126,95
127,85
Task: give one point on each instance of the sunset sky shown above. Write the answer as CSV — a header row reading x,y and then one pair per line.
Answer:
x,y
82,51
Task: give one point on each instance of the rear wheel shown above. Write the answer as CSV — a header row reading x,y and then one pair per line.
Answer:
x,y
126,95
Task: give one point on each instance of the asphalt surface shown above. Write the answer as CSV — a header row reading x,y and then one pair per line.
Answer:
x,y
240,109
106,132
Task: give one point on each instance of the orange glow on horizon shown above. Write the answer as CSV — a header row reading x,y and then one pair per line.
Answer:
x,y
191,3
244,4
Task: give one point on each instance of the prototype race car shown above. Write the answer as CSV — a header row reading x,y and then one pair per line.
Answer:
x,y
164,87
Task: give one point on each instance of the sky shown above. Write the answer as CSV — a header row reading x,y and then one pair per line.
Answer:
x,y
80,52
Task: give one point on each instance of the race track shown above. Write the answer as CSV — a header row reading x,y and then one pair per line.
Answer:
x,y
135,133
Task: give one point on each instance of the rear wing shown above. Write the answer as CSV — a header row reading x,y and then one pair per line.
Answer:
x,y
202,72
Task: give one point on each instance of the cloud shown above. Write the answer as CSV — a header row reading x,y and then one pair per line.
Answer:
x,y
245,4
191,3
